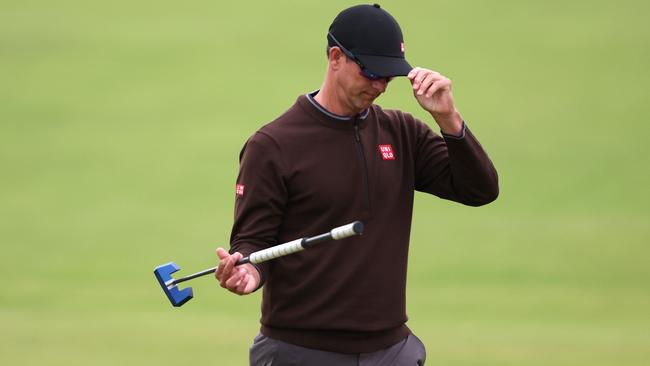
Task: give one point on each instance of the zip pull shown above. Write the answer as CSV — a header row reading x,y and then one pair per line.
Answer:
x,y
356,130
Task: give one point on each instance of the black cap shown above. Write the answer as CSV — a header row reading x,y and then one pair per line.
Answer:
x,y
374,37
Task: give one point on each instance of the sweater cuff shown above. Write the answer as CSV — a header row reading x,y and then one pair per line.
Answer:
x,y
453,137
262,277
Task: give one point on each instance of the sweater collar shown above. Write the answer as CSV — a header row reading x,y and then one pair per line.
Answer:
x,y
328,118
312,98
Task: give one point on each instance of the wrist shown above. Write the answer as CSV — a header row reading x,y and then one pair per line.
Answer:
x,y
255,271
450,124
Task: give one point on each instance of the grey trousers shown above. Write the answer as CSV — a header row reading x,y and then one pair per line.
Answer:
x,y
267,351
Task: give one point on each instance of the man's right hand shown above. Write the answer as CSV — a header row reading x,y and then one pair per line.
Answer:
x,y
241,280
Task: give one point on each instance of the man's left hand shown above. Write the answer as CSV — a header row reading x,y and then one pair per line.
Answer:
x,y
433,91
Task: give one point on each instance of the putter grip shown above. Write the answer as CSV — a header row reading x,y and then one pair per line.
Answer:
x,y
347,230
355,228
277,251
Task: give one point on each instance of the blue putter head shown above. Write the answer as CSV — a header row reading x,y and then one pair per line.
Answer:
x,y
164,275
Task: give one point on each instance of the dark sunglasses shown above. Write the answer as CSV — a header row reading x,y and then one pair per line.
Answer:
x,y
364,71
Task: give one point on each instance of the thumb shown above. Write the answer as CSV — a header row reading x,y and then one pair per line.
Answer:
x,y
222,253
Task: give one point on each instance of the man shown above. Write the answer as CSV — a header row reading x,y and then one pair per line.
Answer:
x,y
335,157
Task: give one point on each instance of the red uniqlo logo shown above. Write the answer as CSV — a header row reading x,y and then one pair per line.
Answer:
x,y
386,152
402,47
239,190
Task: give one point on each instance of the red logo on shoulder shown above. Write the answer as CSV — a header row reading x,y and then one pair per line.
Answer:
x,y
239,190
386,152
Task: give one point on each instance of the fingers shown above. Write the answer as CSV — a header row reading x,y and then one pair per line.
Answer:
x,y
427,82
241,282
222,254
438,85
418,74
241,288
234,279
226,264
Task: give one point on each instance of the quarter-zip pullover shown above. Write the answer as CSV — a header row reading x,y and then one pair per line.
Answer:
x,y
309,171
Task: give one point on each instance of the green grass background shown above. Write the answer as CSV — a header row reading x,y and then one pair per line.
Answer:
x,y
121,124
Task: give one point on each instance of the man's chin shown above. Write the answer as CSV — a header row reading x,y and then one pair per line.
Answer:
x,y
363,106
370,96
367,100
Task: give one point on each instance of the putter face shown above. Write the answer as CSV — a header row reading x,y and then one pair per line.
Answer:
x,y
164,274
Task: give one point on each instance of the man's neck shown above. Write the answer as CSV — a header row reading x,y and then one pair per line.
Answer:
x,y
329,99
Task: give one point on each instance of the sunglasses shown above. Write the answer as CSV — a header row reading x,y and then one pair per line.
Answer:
x,y
364,71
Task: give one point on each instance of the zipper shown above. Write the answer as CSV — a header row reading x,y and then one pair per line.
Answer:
x,y
364,167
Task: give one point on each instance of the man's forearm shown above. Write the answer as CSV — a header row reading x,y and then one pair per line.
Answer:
x,y
450,124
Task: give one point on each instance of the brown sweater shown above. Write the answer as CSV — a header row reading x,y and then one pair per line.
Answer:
x,y
309,171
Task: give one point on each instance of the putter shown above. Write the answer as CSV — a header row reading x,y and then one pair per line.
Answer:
x,y
179,297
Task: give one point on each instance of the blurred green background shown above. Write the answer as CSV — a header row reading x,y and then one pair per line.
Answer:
x,y
121,124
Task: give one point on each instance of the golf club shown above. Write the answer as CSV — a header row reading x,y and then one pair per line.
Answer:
x,y
179,297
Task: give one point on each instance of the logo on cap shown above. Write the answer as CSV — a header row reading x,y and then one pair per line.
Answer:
x,y
402,47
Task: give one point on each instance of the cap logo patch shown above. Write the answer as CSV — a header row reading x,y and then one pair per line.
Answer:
x,y
239,190
402,47
386,152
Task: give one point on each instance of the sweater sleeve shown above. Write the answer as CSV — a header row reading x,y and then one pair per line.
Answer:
x,y
260,199
454,168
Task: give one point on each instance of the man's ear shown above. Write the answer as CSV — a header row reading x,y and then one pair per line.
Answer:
x,y
336,57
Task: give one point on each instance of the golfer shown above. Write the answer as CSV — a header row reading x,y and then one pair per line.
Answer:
x,y
332,158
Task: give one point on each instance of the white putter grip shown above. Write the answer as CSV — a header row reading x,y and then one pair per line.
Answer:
x,y
277,251
343,231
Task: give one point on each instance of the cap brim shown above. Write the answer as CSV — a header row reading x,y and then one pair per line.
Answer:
x,y
385,66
